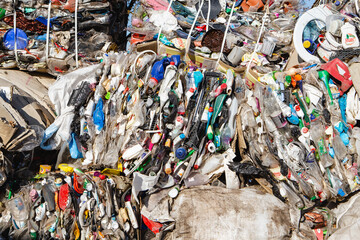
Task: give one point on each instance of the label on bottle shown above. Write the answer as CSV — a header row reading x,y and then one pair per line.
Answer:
x,y
322,147
350,39
279,120
277,174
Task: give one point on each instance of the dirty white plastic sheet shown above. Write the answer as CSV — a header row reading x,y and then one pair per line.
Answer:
x,y
218,213
348,220
59,94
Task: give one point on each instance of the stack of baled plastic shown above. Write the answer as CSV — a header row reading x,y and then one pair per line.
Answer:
x,y
59,36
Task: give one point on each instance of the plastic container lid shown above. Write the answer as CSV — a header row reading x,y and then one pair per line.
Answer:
x,y
173,192
172,63
181,153
21,39
307,44
154,79
298,77
182,136
341,192
179,119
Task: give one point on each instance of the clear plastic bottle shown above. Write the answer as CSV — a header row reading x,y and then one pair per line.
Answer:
x,y
317,132
339,147
336,184
292,197
226,138
273,110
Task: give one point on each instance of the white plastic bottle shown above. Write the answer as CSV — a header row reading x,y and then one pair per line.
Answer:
x,y
349,38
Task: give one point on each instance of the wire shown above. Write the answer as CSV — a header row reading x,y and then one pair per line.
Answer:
x,y
225,34
48,33
258,41
76,35
188,40
161,27
15,37
208,16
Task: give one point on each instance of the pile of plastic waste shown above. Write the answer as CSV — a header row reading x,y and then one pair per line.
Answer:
x,y
207,23
163,123
59,36
69,204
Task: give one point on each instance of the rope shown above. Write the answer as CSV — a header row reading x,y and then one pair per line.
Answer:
x,y
225,34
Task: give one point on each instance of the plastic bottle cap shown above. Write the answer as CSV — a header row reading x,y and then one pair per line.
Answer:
x,y
172,63
58,181
223,86
102,177
288,78
298,77
173,192
297,108
211,109
154,79
341,192
182,136
307,44
191,90
305,130
179,119
181,153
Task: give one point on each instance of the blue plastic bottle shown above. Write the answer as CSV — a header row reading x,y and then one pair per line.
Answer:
x,y
157,72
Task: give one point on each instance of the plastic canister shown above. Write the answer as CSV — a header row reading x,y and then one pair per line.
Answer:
x,y
157,71
349,38
235,55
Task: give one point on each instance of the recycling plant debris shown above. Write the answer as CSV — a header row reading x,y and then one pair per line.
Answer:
x,y
59,36
252,99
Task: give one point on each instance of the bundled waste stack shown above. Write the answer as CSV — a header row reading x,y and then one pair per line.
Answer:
x,y
69,204
49,34
153,113
212,19
168,124
150,118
